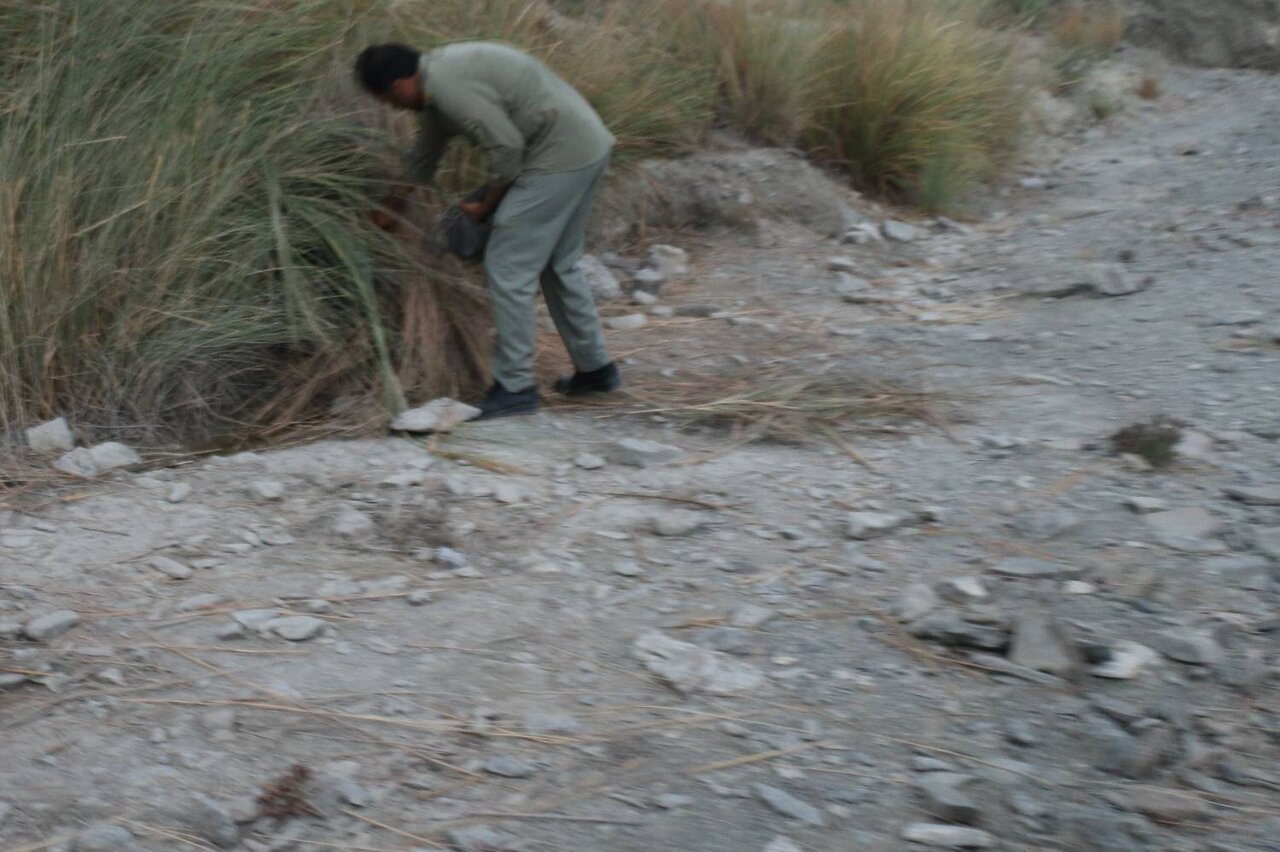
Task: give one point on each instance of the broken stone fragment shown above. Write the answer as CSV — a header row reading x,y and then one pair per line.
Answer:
x,y
1040,642
52,437
690,668
603,283
947,836
788,805
636,452
439,415
942,797
864,525
46,627
670,261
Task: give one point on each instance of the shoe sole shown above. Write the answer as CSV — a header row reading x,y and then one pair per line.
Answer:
x,y
590,391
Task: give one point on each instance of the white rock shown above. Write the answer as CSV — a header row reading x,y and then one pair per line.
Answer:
x,y
1033,568
179,492
630,322
405,479
266,489
671,261
450,558
102,838
636,452
171,568
46,627
676,524
350,523
1042,643
788,805
947,836
52,437
1128,660
916,600
600,278
750,616
542,724
628,569
689,668
1259,496
864,525
111,455
1078,587
852,289
79,462
587,461
439,415
862,234
640,297
842,264
964,589
253,619
508,493
782,844
1195,647
198,602
648,281
295,628
484,838
899,232
1146,505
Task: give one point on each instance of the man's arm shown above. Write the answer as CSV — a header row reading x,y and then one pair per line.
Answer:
x,y
488,125
420,166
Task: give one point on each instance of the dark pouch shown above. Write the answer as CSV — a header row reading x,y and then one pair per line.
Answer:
x,y
462,235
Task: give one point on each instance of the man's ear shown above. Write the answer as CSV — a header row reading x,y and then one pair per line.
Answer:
x,y
407,91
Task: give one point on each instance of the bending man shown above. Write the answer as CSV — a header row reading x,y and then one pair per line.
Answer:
x,y
547,151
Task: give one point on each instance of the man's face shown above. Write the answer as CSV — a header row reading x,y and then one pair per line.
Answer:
x,y
405,93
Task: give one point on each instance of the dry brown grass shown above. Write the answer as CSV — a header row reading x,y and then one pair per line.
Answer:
x,y
782,402
1094,29
1149,88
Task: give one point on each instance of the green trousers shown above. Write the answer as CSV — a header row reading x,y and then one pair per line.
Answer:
x,y
538,235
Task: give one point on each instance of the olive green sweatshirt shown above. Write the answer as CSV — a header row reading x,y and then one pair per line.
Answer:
x,y
524,117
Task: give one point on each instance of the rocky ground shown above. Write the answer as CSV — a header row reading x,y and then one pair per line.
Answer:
x,y
586,631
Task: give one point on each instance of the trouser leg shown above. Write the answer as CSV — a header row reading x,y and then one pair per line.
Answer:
x,y
568,296
526,229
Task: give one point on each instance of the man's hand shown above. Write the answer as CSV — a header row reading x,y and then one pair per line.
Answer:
x,y
481,210
387,217
384,220
477,210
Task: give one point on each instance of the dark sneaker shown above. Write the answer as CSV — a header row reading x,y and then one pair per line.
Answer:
x,y
604,380
504,403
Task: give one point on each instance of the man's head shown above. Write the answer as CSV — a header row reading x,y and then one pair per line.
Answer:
x,y
390,73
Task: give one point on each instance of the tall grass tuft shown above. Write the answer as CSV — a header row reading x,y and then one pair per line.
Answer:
x,y
183,244
1083,35
914,98
760,56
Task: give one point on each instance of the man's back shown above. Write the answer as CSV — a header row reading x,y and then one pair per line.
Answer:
x,y
560,129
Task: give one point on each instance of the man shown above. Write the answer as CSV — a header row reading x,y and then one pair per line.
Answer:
x,y
547,151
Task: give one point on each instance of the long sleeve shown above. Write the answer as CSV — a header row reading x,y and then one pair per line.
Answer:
x,y
422,161
488,125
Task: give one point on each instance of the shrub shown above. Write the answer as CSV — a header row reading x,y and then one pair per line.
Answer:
x,y
184,245
1083,35
914,99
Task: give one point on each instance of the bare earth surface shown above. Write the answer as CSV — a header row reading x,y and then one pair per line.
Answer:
x,y
988,632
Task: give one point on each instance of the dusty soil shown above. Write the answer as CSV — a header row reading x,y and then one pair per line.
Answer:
x,y
911,629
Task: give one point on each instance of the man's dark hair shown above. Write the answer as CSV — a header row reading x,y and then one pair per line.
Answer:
x,y
380,65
